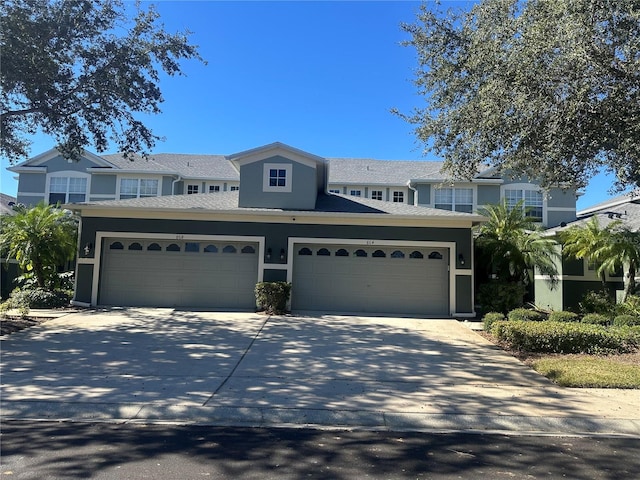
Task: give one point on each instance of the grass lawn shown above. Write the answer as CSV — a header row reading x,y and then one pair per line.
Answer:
x,y
588,371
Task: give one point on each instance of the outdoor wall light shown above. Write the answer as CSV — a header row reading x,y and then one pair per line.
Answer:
x,y
461,259
282,254
87,249
268,253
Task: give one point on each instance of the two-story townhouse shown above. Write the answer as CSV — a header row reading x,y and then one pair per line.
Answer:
x,y
341,253
51,178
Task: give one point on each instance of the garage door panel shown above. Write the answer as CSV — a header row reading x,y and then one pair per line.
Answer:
x,y
196,278
394,283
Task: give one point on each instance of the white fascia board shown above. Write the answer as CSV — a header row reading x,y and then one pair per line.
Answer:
x,y
266,151
255,216
27,169
120,171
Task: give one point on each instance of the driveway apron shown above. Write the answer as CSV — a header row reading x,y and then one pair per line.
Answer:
x,y
165,365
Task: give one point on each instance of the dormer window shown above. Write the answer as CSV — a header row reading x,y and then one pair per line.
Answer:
x,y
277,177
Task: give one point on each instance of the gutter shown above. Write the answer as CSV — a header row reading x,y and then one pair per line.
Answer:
x,y
415,193
173,184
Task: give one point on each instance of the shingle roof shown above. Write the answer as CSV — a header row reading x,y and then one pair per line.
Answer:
x,y
187,165
391,172
6,204
627,212
326,203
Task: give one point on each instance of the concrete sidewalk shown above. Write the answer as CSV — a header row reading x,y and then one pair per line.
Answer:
x,y
241,369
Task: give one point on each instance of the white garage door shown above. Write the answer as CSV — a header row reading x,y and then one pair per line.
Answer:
x,y
143,272
347,278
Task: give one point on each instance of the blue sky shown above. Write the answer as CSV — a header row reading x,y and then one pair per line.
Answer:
x,y
319,76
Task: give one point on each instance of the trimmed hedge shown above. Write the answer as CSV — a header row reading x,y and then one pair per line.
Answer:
x,y
491,317
566,337
38,298
272,297
524,314
563,317
626,321
596,319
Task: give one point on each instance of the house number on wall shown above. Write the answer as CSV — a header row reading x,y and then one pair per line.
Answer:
x,y
371,242
179,237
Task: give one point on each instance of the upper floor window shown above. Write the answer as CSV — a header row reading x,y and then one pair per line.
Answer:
x,y
531,200
355,193
398,197
138,188
214,188
456,199
277,177
191,189
334,190
234,188
67,189
376,194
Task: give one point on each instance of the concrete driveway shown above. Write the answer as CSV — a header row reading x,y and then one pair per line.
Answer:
x,y
164,365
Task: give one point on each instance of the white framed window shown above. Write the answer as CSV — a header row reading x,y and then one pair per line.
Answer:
x,y
334,190
455,199
214,188
234,188
532,201
66,187
277,177
138,188
376,194
355,193
398,197
192,189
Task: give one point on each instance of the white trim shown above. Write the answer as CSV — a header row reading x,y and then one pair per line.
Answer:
x,y
561,209
451,246
30,194
288,177
130,176
68,174
101,235
268,151
474,195
76,303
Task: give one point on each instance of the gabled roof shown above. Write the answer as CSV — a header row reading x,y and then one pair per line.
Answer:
x,y
36,162
265,151
330,204
186,165
625,209
6,204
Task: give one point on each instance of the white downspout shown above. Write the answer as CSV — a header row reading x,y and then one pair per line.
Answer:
x,y
173,184
415,193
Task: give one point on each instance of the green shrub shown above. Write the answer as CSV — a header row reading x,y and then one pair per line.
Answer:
x,y
497,296
566,337
596,319
491,317
36,297
498,327
597,302
272,297
563,317
524,314
631,306
626,321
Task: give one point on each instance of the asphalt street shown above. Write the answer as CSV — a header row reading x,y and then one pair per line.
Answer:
x,y
65,450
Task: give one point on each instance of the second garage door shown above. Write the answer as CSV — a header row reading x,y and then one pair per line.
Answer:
x,y
142,272
399,280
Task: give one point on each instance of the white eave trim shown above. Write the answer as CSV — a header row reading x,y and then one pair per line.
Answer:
x,y
27,169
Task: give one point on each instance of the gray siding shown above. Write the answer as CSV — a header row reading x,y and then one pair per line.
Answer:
x,y
303,187
103,185
277,236
60,164
165,185
83,283
558,198
464,302
488,194
555,218
424,194
32,183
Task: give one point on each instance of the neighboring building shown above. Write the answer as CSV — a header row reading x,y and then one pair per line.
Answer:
x,y
577,277
49,177
341,253
9,270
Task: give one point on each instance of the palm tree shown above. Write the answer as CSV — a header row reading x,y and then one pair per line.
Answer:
x,y
40,239
590,241
611,248
511,244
